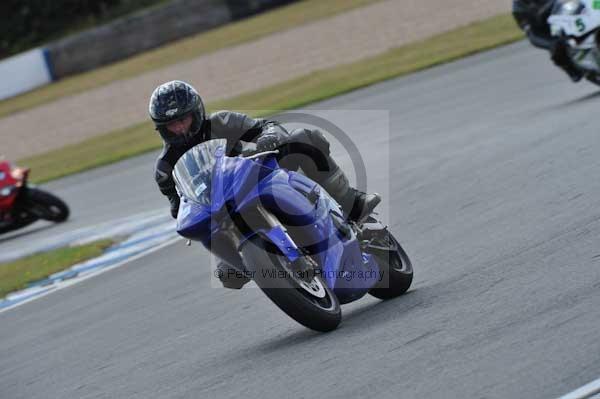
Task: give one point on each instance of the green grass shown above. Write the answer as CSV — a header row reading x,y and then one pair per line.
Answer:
x,y
280,19
16,275
323,84
331,82
97,151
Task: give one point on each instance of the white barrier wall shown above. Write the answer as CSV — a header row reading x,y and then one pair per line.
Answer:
x,y
24,72
131,34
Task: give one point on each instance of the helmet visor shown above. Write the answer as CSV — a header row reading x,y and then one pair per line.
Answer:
x,y
181,125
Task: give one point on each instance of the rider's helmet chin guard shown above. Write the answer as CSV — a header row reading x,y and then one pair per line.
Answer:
x,y
174,100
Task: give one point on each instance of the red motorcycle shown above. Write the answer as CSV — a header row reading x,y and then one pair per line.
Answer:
x,y
21,205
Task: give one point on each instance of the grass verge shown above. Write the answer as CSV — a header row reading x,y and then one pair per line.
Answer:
x,y
17,274
317,86
280,19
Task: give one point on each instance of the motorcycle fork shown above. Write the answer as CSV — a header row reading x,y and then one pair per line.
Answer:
x,y
260,221
235,228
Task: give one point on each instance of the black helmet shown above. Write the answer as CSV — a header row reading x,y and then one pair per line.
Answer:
x,y
532,12
171,101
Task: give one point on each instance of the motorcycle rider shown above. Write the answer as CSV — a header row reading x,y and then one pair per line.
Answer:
x,y
532,18
5,215
179,117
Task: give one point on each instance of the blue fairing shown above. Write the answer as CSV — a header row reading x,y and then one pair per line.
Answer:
x,y
233,178
297,201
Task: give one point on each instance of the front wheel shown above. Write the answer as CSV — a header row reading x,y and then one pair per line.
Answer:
x,y
20,220
395,266
308,300
46,206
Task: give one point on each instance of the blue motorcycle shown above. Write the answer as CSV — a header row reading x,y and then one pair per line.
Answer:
x,y
286,233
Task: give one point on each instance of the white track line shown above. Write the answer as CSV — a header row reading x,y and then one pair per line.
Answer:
x,y
588,391
84,235
76,280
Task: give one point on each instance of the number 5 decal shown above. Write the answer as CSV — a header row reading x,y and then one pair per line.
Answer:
x,y
580,25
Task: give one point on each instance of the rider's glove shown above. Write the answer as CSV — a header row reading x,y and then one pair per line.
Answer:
x,y
268,142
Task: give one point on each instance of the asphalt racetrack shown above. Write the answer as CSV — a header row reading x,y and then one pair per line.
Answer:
x,y
493,189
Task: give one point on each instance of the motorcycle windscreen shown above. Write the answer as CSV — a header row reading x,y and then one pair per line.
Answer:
x,y
573,18
567,7
193,173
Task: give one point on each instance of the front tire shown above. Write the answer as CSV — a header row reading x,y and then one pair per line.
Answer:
x,y
311,303
395,266
21,220
46,206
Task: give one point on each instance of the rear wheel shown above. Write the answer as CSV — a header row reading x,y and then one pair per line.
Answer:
x,y
46,206
302,296
395,266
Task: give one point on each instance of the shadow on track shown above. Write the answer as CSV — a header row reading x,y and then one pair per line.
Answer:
x,y
577,101
357,321
25,232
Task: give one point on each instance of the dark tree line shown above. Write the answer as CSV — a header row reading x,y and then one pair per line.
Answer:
x,y
28,23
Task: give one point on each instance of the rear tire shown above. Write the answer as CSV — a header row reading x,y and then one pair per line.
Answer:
x,y
47,206
396,268
311,304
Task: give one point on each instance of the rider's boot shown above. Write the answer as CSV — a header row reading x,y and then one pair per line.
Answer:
x,y
574,73
231,277
560,56
356,205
